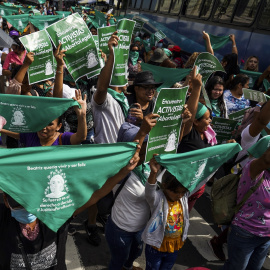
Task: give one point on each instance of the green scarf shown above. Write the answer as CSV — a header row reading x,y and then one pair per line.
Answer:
x,y
218,42
121,99
78,169
134,56
215,107
253,76
259,147
168,76
143,172
191,168
30,114
146,44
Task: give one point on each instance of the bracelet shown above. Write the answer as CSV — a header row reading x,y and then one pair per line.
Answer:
x,y
59,72
234,45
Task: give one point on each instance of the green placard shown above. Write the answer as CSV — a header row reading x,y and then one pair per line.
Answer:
x,y
138,26
238,116
159,35
254,95
81,55
104,34
164,137
223,128
121,52
42,67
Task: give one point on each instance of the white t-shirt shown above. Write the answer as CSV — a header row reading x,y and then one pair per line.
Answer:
x,y
108,118
130,211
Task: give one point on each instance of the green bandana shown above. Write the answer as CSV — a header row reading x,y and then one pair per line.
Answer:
x,y
169,76
168,52
218,42
146,44
63,13
137,39
266,84
200,111
18,21
215,107
46,88
143,172
19,111
57,180
253,76
191,168
134,56
41,21
260,147
121,99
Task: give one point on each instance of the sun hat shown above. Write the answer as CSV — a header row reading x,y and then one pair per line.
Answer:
x,y
144,78
159,56
128,132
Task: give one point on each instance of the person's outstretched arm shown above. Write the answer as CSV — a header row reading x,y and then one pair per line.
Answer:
x,y
29,59
234,47
105,75
208,43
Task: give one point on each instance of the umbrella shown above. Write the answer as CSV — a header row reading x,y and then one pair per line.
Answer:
x,y
5,40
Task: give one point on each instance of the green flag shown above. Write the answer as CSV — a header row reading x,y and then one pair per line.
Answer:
x,y
29,113
168,76
218,42
193,167
253,76
57,180
207,64
254,95
223,128
81,55
164,136
42,67
260,147
18,21
41,21
104,34
119,75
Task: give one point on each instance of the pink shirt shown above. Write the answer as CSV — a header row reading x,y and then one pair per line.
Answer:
x,y
12,57
254,216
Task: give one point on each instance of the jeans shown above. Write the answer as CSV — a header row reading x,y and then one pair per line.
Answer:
x,y
125,246
156,260
245,250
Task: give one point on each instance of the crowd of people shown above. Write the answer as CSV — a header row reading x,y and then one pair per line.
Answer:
x,y
150,206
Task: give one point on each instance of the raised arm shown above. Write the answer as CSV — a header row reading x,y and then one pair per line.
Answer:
x,y
81,133
58,84
196,81
234,47
263,76
260,122
29,59
208,43
105,75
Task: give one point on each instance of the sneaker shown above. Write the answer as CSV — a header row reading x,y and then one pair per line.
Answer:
x,y
217,249
93,235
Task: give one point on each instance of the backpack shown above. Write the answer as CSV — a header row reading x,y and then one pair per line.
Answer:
x,y
224,198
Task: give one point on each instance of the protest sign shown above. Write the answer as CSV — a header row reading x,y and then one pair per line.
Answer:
x,y
167,76
159,35
18,21
253,76
138,26
55,181
119,75
254,95
42,67
29,113
81,55
164,136
238,116
218,42
41,22
207,64
191,168
104,34
223,128
101,60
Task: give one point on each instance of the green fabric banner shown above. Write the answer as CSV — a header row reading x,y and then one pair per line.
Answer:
x,y
193,167
253,76
18,21
218,42
223,128
9,10
260,147
42,67
207,64
254,95
119,75
164,136
168,76
104,34
81,55
29,113
57,180
41,21
63,13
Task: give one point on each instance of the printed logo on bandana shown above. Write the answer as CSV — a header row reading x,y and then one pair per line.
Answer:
x,y
171,143
18,118
200,172
46,24
2,12
56,194
92,61
48,68
20,24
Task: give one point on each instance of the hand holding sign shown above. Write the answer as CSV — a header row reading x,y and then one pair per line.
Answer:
x,y
113,41
154,166
29,59
186,115
196,79
59,55
149,121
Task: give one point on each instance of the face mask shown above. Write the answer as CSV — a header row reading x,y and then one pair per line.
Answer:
x,y
22,216
134,55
